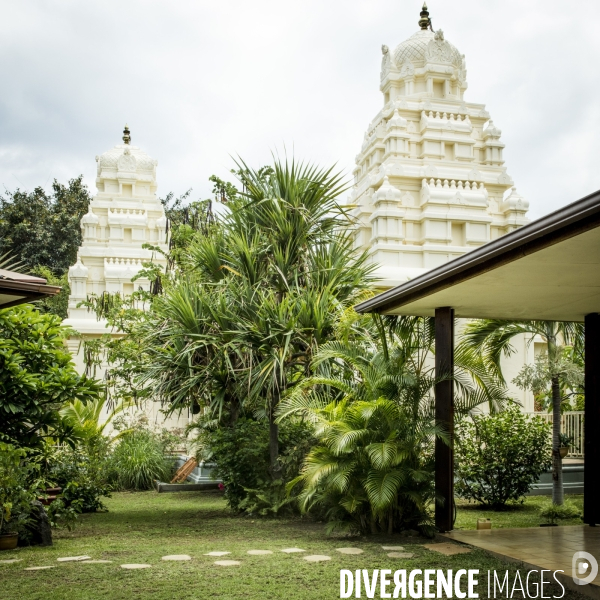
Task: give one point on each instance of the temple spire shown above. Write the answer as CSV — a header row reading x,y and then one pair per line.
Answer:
x,y
425,21
126,134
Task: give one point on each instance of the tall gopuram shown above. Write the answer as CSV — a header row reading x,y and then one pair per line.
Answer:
x,y
123,215
430,180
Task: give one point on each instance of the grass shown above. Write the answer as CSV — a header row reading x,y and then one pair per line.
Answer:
x,y
515,515
144,526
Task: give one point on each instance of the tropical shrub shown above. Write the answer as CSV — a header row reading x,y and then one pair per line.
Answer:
x,y
88,420
371,405
500,456
372,469
82,474
241,453
138,459
37,377
16,493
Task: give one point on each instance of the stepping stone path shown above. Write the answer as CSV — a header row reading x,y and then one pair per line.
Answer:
x,y
73,558
400,554
349,550
38,568
259,552
292,550
177,557
217,553
394,548
447,549
136,566
95,562
316,558
227,563
10,561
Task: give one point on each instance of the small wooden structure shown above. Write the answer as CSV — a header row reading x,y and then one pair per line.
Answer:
x,y
184,471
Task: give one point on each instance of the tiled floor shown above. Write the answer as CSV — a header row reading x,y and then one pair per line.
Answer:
x,y
543,547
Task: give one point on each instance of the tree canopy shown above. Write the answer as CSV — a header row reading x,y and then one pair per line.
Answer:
x,y
42,229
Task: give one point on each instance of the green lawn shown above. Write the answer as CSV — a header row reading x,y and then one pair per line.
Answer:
x,y
142,527
515,515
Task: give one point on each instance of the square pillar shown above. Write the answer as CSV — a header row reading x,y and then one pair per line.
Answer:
x,y
591,474
444,417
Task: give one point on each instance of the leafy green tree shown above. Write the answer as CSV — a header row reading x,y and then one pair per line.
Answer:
x,y
491,338
55,305
37,377
43,230
500,456
371,402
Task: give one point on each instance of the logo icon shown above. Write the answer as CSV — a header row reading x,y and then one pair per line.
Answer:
x,y
585,568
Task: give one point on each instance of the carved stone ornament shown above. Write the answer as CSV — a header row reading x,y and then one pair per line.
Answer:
x,y
385,60
439,50
127,161
407,70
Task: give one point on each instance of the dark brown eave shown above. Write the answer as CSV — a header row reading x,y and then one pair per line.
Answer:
x,y
567,222
25,290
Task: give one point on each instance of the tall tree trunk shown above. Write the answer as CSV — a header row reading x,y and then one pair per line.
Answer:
x,y
558,495
274,440
274,447
234,409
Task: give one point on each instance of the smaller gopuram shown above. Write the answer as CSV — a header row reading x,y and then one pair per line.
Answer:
x,y
124,214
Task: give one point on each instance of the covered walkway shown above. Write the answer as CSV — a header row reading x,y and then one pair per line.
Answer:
x,y
546,270
540,548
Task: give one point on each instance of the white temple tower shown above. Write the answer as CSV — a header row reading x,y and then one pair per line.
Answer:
x,y
430,180
122,216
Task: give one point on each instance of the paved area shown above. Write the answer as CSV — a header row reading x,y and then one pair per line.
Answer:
x,y
549,548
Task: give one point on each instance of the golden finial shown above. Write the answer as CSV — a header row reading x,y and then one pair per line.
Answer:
x,y
126,134
425,21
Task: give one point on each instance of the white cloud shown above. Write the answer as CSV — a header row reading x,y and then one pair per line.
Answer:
x,y
199,81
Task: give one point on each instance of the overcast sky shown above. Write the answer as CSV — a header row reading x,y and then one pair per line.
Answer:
x,y
200,81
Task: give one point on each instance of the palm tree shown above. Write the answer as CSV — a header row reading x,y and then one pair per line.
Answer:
x,y
371,401
491,338
260,291
86,418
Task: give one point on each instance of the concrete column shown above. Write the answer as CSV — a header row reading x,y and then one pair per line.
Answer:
x,y
591,481
444,417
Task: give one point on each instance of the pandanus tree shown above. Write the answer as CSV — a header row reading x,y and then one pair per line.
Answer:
x,y
371,401
491,338
256,296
